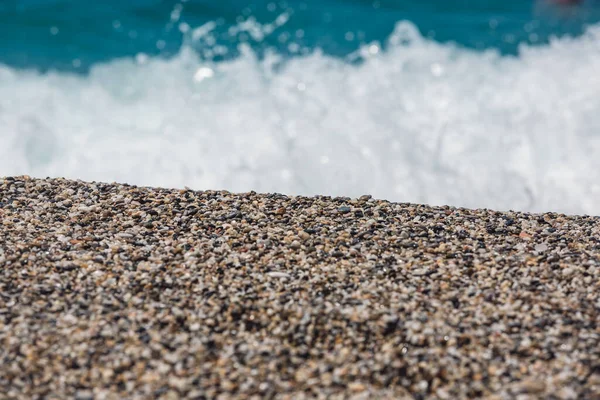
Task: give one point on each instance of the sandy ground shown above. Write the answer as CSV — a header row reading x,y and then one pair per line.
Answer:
x,y
112,291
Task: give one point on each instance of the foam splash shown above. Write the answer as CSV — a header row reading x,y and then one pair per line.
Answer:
x,y
419,122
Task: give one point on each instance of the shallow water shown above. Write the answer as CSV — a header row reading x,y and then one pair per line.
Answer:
x,y
479,104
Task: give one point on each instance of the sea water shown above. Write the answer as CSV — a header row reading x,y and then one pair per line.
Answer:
x,y
469,103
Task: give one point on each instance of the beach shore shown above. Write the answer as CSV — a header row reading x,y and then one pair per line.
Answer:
x,y
112,291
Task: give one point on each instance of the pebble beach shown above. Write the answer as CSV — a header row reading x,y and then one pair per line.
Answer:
x,y
111,291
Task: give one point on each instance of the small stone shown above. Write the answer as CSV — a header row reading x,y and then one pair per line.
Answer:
x,y
277,274
594,379
525,236
280,211
357,387
233,214
567,393
303,235
84,395
541,247
195,327
170,395
178,383
531,386
419,271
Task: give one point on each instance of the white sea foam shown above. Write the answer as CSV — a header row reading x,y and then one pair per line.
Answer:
x,y
419,121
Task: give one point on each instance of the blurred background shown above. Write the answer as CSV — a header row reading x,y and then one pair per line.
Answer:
x,y
476,103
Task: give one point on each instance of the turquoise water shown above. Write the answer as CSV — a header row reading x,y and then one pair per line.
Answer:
x,y
75,34
470,103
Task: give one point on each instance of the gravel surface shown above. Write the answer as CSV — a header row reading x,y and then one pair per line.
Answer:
x,y
112,291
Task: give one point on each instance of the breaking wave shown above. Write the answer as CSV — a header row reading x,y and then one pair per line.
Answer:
x,y
419,121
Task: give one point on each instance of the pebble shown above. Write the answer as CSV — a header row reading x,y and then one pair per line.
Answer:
x,y
531,386
276,274
303,235
541,247
84,395
116,291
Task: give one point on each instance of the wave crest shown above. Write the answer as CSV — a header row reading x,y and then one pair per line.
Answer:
x,y
419,121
